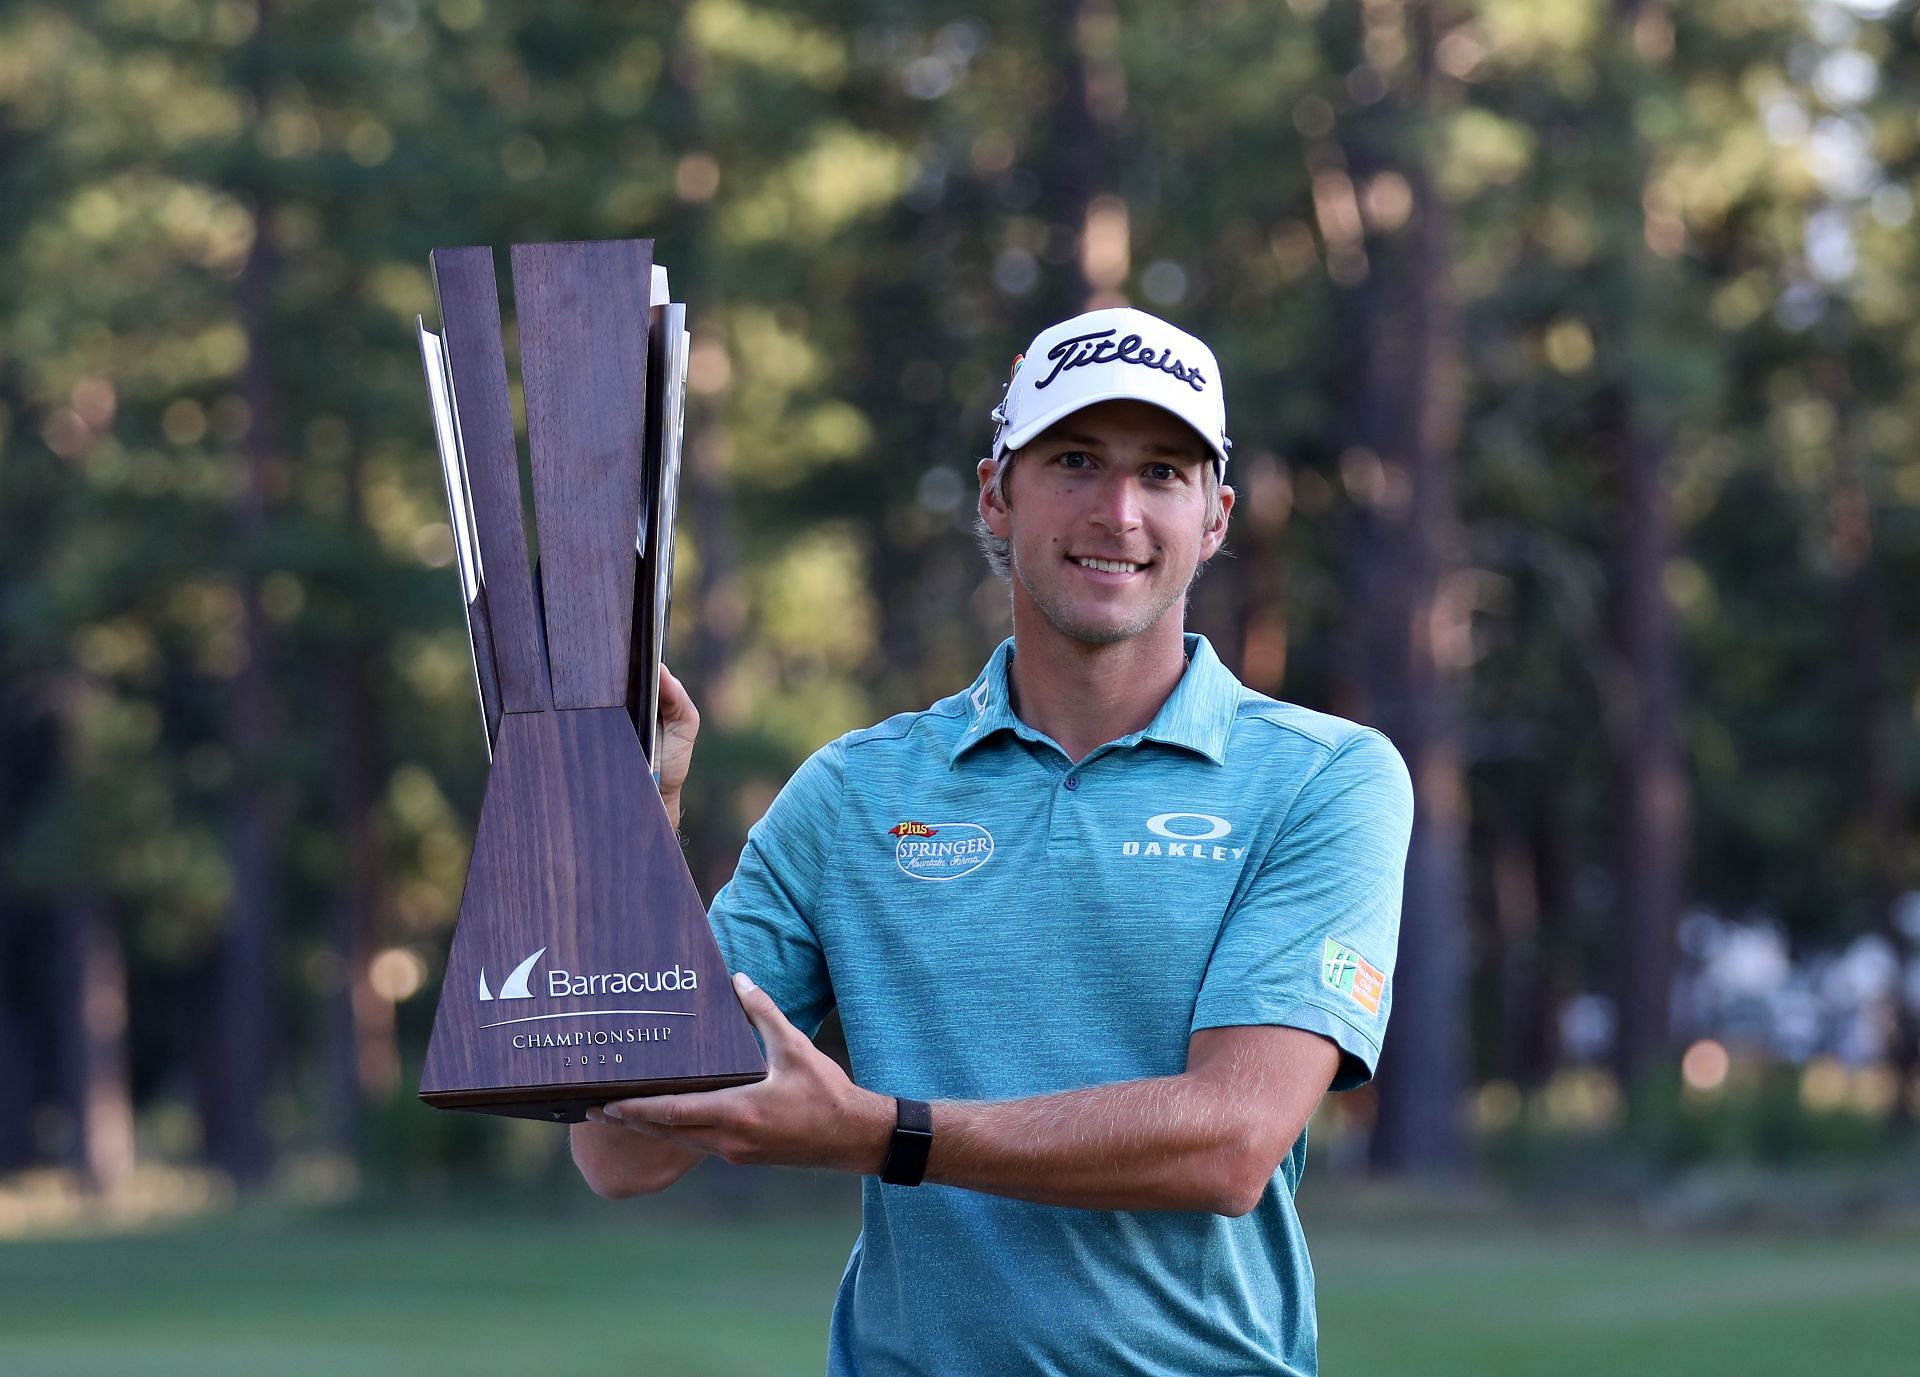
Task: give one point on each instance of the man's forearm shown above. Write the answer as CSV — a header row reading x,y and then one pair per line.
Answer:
x,y
1172,1143
1209,1138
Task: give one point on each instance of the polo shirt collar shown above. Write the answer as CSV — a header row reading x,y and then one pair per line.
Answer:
x,y
1197,716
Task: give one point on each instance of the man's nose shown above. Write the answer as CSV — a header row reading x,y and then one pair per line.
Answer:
x,y
1117,504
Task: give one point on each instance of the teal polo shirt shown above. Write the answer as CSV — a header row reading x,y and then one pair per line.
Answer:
x,y
995,920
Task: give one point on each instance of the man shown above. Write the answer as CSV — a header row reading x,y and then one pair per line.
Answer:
x,y
1121,920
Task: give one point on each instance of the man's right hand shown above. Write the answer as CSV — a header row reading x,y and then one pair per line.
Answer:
x,y
673,755
617,1162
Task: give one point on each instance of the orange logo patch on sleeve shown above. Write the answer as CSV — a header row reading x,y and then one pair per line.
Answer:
x,y
1346,970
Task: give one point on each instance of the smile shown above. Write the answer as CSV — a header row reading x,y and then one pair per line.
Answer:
x,y
1106,566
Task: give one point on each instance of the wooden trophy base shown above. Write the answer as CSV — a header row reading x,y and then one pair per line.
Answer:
x,y
582,969
566,1104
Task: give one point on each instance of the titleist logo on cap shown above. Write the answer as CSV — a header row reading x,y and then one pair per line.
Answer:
x,y
1084,350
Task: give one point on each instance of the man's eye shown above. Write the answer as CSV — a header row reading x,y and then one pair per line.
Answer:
x,y
1163,473
1075,459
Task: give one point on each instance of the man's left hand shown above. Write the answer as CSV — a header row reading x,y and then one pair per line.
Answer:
x,y
673,749
806,1113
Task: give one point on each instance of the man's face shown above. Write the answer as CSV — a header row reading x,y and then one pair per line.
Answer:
x,y
1106,520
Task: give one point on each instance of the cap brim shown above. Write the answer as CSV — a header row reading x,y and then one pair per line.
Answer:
x,y
1027,433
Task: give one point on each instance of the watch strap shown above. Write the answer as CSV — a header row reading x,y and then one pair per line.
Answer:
x,y
912,1140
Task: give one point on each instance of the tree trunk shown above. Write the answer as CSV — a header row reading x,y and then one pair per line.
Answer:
x,y
1643,721
94,1082
713,613
1650,783
1514,889
241,1025
1877,714
25,776
1424,1069
363,1055
30,485
1076,186
19,1029
1409,650
363,1059
1553,850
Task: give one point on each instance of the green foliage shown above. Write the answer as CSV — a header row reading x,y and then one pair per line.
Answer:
x,y
868,209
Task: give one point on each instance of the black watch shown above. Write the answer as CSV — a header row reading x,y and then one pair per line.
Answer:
x,y
912,1140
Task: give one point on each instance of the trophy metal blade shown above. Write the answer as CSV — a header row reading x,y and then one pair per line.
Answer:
x,y
653,567
466,549
673,411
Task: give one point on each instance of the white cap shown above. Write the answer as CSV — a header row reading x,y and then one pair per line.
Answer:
x,y
1117,354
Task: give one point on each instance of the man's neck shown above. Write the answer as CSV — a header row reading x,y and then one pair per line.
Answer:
x,y
1084,696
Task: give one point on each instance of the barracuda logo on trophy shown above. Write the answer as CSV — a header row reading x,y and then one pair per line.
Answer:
x,y
574,860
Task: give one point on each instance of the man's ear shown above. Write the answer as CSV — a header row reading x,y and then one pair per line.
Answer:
x,y
1216,535
992,510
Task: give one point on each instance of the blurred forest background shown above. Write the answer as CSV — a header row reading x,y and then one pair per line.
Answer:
x,y
1570,350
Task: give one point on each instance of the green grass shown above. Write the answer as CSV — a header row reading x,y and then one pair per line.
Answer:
x,y
1501,1296
646,1288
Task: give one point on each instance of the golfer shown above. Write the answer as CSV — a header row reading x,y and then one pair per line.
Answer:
x,y
1102,929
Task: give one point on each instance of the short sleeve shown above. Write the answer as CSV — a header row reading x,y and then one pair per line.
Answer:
x,y
763,918
1311,942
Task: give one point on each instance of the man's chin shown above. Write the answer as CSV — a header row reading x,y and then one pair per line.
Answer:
x,y
1092,629
1092,626
1097,635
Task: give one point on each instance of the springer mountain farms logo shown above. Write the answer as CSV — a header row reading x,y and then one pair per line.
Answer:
x,y
942,850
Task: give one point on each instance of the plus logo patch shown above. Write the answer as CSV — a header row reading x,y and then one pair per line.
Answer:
x,y
1345,970
940,850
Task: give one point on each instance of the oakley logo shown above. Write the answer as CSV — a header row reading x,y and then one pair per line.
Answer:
x,y
1189,826
516,986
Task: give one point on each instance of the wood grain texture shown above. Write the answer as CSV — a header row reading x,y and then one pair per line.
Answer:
x,y
469,300
574,855
582,310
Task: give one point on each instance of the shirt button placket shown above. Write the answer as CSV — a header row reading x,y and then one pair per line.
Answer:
x,y
1061,822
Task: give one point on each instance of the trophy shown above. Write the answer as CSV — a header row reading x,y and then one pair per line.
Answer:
x,y
582,967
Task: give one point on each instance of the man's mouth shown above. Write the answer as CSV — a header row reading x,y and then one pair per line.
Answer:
x,y
1106,566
